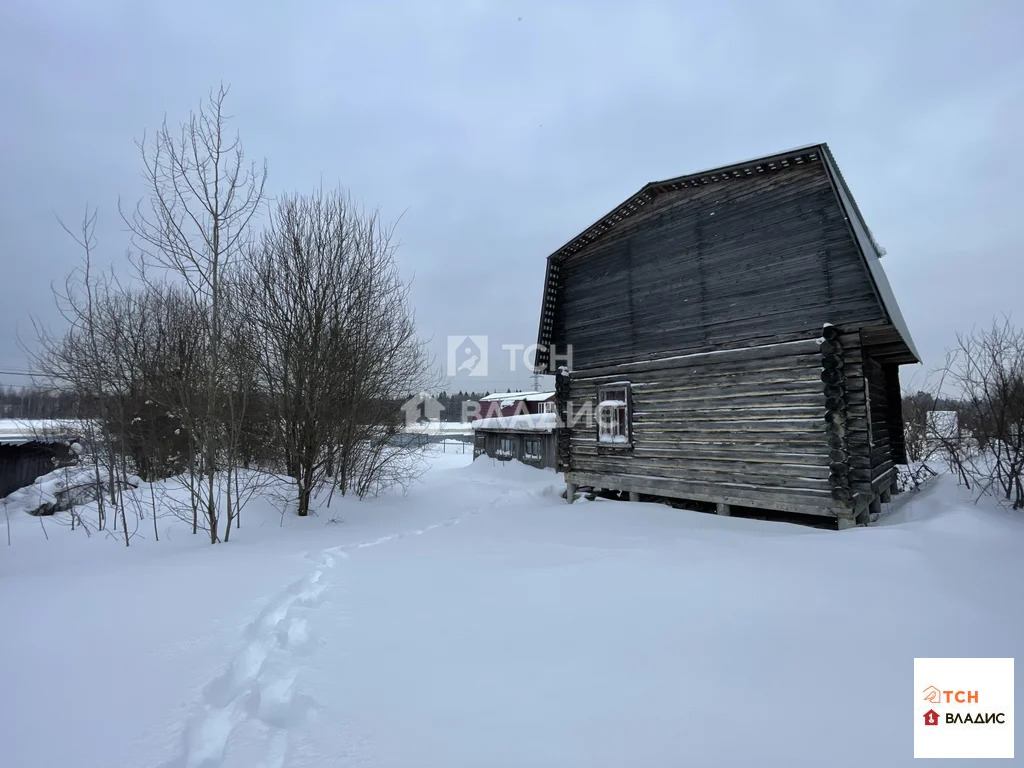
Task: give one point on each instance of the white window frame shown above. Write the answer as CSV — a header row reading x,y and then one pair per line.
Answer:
x,y
615,415
503,452
527,455
549,407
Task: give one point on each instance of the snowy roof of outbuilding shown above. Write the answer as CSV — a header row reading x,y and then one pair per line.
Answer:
x,y
531,397
527,422
24,431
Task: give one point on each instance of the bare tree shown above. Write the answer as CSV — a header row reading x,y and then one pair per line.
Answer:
x,y
77,358
987,369
336,343
231,355
197,221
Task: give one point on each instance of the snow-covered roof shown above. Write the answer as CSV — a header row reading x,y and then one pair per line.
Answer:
x,y
22,431
527,422
871,252
531,397
439,427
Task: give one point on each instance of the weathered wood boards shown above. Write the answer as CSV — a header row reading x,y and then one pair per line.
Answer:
x,y
741,260
741,427
747,317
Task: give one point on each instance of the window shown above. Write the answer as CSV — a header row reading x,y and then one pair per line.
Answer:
x,y
531,449
613,414
504,447
548,407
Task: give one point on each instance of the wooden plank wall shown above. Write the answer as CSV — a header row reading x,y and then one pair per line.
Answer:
x,y
731,263
870,447
894,413
20,465
486,443
858,435
882,465
741,427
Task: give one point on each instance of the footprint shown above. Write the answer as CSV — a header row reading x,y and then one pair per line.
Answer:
x,y
245,666
294,634
277,751
207,739
274,705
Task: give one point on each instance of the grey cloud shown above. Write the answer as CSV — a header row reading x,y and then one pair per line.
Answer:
x,y
495,132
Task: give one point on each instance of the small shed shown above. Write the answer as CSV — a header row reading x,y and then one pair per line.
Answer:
x,y
27,453
531,438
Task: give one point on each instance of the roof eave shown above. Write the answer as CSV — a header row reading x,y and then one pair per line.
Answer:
x,y
869,250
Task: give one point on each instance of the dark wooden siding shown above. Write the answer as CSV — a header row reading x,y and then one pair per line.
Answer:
x,y
20,465
894,413
730,264
741,427
486,442
872,459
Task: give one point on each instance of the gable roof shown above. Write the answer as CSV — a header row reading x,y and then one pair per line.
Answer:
x,y
531,397
901,341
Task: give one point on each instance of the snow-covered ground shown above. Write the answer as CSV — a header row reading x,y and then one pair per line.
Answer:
x,y
481,621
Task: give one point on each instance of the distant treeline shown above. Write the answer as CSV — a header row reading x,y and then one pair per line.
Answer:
x,y
35,403
455,402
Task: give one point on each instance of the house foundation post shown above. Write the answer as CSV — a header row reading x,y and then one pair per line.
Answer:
x,y
570,493
634,496
723,509
886,496
874,509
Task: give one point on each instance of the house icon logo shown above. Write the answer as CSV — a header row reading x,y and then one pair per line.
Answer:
x,y
932,695
421,408
467,355
931,717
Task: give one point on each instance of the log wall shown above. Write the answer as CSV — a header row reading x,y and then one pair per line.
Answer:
x,y
744,427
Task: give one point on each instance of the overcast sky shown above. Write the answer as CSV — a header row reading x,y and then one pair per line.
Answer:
x,y
498,130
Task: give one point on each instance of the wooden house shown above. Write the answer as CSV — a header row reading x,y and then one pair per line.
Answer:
x,y
531,438
730,337
514,404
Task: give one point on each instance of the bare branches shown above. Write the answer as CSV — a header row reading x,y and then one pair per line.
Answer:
x,y
334,337
987,367
203,196
244,355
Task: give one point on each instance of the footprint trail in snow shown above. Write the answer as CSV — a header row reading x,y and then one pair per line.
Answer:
x,y
245,714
